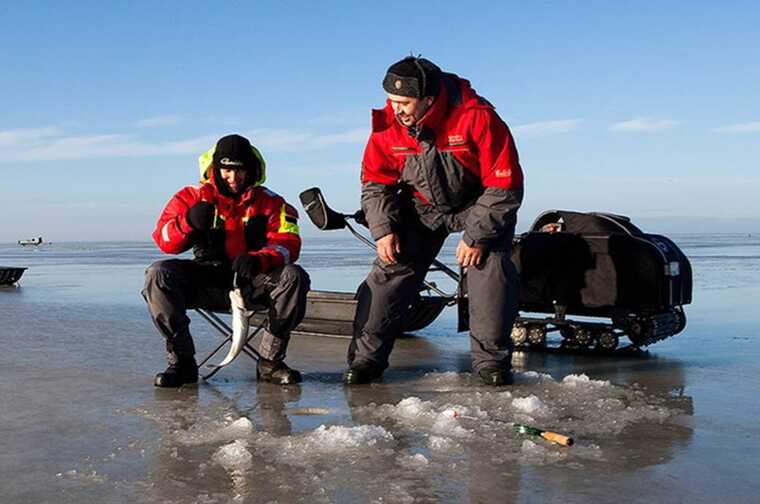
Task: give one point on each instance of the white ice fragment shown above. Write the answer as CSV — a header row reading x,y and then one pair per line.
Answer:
x,y
239,428
583,381
305,449
417,461
212,433
448,425
439,443
412,407
233,456
531,405
534,375
337,437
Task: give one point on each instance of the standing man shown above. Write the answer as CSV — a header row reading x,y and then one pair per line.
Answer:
x,y
439,160
237,228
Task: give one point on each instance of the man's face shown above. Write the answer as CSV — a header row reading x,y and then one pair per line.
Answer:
x,y
409,110
234,178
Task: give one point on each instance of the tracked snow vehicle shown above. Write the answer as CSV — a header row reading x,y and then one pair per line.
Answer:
x,y
600,278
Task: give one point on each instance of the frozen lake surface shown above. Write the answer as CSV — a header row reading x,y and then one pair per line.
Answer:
x,y
81,421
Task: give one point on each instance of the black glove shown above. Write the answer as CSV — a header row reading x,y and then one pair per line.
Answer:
x,y
246,267
201,216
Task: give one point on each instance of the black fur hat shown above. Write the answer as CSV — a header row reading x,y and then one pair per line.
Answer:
x,y
414,77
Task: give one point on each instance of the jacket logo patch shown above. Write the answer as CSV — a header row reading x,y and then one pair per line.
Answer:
x,y
503,173
401,148
456,140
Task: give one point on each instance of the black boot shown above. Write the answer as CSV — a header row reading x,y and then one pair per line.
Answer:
x,y
362,372
178,373
495,376
276,372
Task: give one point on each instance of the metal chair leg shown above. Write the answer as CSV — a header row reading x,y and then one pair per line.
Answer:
x,y
226,332
208,357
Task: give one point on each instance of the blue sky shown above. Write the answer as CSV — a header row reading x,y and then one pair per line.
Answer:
x,y
650,109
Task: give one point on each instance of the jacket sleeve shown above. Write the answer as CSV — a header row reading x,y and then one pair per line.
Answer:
x,y
494,214
380,200
283,242
173,234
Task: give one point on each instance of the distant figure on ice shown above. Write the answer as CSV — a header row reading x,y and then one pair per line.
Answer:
x,y
236,226
439,160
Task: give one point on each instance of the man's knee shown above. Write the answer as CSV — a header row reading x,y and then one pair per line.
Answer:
x,y
162,274
295,275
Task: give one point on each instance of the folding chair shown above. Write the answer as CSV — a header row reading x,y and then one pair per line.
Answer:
x,y
225,331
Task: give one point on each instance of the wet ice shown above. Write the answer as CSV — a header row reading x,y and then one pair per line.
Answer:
x,y
107,434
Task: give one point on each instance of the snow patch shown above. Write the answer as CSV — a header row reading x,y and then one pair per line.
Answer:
x,y
416,414
531,405
581,380
305,449
338,437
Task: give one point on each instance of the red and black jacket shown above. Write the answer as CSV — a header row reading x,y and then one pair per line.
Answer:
x,y
459,161
258,222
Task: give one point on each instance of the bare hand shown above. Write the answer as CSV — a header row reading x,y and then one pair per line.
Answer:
x,y
388,248
468,256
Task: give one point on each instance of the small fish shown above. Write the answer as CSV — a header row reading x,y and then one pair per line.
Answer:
x,y
240,317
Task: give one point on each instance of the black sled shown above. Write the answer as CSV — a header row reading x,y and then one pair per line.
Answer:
x,y
599,266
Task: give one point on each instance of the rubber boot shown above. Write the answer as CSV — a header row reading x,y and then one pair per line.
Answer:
x,y
495,377
182,372
276,372
362,372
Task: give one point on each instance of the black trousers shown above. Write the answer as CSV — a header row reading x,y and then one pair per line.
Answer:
x,y
175,285
385,296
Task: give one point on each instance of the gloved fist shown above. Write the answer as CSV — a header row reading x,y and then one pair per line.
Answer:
x,y
201,216
246,267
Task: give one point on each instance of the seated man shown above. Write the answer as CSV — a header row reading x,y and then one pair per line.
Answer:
x,y
237,229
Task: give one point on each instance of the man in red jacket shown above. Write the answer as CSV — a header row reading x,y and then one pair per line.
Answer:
x,y
439,160
237,229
